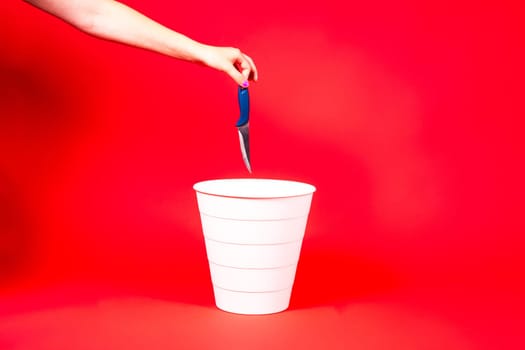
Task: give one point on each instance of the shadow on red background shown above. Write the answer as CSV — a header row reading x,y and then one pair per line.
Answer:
x,y
17,237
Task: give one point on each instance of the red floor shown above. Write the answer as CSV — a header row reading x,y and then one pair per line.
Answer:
x,y
88,317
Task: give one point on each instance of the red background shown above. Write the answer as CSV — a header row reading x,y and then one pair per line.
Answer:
x,y
406,116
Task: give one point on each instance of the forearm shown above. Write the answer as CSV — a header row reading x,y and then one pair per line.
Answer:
x,y
112,20
115,21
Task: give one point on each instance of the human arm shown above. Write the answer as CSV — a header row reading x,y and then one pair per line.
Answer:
x,y
112,20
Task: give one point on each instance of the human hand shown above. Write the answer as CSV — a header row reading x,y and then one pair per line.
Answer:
x,y
239,66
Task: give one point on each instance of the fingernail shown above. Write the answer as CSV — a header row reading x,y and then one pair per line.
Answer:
x,y
245,84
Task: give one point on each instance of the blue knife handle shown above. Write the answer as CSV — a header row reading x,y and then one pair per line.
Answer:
x,y
244,106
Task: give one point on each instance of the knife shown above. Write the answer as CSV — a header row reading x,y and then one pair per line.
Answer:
x,y
243,125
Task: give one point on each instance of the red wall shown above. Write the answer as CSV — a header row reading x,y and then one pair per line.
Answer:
x,y
407,116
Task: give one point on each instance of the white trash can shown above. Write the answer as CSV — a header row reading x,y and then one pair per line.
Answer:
x,y
253,231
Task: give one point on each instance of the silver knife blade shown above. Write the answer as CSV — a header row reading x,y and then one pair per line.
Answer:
x,y
244,138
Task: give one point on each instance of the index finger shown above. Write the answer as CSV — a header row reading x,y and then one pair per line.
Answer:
x,y
253,67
